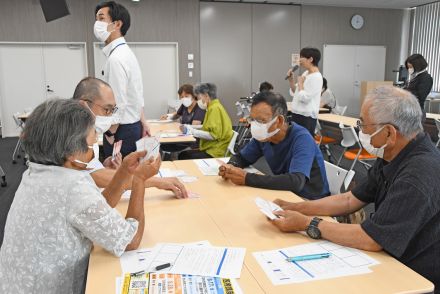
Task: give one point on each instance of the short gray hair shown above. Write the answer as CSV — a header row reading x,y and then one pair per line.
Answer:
x,y
89,89
275,100
55,130
397,107
206,88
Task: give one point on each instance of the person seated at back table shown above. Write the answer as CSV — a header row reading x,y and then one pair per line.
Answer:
x,y
403,184
216,132
97,96
290,151
328,100
189,112
265,86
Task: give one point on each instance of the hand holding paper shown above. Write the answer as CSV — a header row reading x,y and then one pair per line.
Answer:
x,y
149,144
267,208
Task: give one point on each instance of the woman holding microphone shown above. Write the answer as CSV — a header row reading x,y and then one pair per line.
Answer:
x,y
306,89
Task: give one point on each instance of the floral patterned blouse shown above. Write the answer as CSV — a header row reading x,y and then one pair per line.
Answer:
x,y
56,215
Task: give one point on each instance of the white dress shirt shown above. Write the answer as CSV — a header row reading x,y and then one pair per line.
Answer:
x,y
306,102
123,74
56,215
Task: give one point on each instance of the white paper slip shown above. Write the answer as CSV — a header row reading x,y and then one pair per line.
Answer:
x,y
180,174
119,284
343,261
159,121
126,194
149,144
251,169
170,173
267,207
208,166
188,179
224,262
138,260
135,260
172,135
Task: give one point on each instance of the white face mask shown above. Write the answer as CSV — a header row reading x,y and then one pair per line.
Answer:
x,y
100,30
366,143
411,70
260,132
95,148
103,123
201,104
186,101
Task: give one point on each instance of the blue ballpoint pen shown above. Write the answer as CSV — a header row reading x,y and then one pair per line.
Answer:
x,y
308,257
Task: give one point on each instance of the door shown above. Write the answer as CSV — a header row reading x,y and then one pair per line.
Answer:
x,y
159,67
370,65
346,66
65,65
21,82
32,72
339,70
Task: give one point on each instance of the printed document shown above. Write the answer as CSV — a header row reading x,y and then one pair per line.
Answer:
x,y
343,261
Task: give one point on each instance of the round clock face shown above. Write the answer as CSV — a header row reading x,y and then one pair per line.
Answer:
x,y
357,22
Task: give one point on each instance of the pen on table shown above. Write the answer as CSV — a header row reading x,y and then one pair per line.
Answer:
x,y
162,266
308,257
137,273
157,268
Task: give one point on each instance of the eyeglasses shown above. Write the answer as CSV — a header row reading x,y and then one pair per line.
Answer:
x,y
250,120
108,111
361,126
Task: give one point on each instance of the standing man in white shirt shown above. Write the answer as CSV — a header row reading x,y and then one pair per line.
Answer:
x,y
123,74
306,89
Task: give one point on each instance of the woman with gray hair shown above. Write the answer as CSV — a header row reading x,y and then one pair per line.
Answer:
x,y
216,132
58,211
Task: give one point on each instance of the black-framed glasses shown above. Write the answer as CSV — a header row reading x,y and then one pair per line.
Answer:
x,y
361,126
108,110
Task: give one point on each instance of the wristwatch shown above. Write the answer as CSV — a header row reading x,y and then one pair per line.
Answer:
x,y
313,230
109,134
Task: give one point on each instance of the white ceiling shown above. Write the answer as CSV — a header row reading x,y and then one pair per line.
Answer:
x,y
349,3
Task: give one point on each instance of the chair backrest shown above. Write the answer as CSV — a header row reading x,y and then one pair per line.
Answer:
x,y
246,110
349,136
17,121
239,109
337,177
318,128
231,145
437,124
318,135
340,110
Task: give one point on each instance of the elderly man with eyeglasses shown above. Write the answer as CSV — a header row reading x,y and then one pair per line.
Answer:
x,y
403,184
97,96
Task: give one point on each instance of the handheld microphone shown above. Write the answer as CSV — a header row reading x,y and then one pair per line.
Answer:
x,y
295,68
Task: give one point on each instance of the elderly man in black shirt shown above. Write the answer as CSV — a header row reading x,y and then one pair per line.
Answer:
x,y
403,184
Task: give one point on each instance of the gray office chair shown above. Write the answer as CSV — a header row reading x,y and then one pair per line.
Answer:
x,y
338,178
231,146
437,124
17,149
3,177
